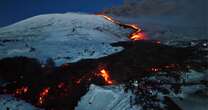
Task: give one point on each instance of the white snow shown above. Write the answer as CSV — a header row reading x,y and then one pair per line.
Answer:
x,y
65,37
192,102
193,77
10,103
107,98
192,97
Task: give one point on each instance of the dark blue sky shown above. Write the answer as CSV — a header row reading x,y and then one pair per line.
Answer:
x,y
12,11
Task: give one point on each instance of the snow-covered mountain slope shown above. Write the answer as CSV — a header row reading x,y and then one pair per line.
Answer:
x,y
166,19
63,37
107,98
11,103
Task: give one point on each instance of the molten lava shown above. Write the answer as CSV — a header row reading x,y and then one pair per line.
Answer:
x,y
111,19
21,90
138,34
43,95
105,74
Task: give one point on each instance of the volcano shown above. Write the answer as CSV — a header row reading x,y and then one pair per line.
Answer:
x,y
77,61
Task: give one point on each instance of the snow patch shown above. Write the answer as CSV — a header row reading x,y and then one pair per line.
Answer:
x,y
10,103
107,98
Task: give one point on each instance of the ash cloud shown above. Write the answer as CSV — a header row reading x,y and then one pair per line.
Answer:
x,y
189,13
160,7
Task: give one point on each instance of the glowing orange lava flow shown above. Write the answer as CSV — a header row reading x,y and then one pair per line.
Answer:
x,y
105,74
110,19
138,34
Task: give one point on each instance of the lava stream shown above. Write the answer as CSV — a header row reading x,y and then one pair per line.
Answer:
x,y
138,34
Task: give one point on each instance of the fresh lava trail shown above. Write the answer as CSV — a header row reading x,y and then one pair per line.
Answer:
x,y
102,72
137,34
106,76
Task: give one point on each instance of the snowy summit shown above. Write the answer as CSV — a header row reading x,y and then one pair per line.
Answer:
x,y
65,37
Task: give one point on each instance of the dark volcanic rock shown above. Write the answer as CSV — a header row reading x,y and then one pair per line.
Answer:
x,y
70,81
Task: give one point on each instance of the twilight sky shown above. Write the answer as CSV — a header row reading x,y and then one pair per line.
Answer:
x,y
12,11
